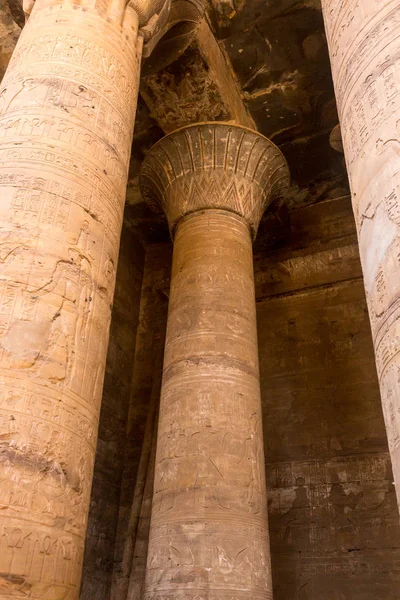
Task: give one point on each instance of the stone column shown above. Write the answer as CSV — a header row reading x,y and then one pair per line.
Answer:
x,y
364,44
209,531
67,108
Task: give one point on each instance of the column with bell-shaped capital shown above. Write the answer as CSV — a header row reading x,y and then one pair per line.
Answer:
x,y
67,110
209,529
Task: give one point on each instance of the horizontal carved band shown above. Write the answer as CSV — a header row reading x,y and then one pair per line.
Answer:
x,y
214,165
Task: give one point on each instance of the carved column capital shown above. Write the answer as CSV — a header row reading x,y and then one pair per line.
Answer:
x,y
214,166
146,9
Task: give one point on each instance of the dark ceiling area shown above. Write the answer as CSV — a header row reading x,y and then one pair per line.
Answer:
x,y
263,64
277,53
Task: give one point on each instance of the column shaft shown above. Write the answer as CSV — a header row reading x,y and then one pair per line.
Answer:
x,y
67,107
209,529
364,43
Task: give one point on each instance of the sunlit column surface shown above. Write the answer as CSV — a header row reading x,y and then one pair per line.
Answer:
x,y
67,109
364,44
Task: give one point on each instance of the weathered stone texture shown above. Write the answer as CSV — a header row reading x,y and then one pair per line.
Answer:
x,y
200,87
333,515
365,56
67,107
112,439
332,511
209,530
141,423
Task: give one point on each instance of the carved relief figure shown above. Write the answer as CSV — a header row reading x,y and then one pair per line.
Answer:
x,y
72,287
295,520
209,485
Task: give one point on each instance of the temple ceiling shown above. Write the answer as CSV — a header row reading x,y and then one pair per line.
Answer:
x,y
261,63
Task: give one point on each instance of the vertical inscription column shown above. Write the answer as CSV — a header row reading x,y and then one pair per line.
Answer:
x,y
364,44
209,530
67,108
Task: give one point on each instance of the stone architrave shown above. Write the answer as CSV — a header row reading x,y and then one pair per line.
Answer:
x,y
364,44
209,530
67,109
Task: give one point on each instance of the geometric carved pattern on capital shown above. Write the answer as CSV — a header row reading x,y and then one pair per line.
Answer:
x,y
214,165
364,44
67,109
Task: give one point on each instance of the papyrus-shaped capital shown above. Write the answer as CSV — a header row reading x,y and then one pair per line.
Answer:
x,y
214,166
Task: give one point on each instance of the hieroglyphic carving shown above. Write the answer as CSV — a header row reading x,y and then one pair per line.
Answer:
x,y
322,491
67,107
209,532
26,552
364,46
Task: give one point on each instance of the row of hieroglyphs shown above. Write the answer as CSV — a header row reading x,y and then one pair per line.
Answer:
x,y
212,457
91,146
369,107
209,595
219,558
68,182
74,101
349,22
49,412
229,402
320,472
53,486
106,72
212,276
349,566
25,553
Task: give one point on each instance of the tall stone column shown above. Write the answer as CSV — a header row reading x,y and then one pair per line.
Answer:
x,y
364,44
209,531
67,108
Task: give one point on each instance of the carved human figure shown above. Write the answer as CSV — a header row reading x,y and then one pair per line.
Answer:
x,y
364,49
67,110
72,286
209,500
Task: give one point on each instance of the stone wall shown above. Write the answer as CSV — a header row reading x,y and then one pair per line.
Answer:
x,y
142,418
332,506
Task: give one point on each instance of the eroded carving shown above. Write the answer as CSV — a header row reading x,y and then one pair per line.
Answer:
x,y
209,526
365,54
67,107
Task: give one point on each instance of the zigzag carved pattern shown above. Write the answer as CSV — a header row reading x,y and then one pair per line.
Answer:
x,y
214,165
216,189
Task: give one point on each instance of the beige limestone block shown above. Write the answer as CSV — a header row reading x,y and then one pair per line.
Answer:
x,y
364,44
67,107
209,530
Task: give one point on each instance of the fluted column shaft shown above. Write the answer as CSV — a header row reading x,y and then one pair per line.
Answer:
x,y
209,529
67,108
364,44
